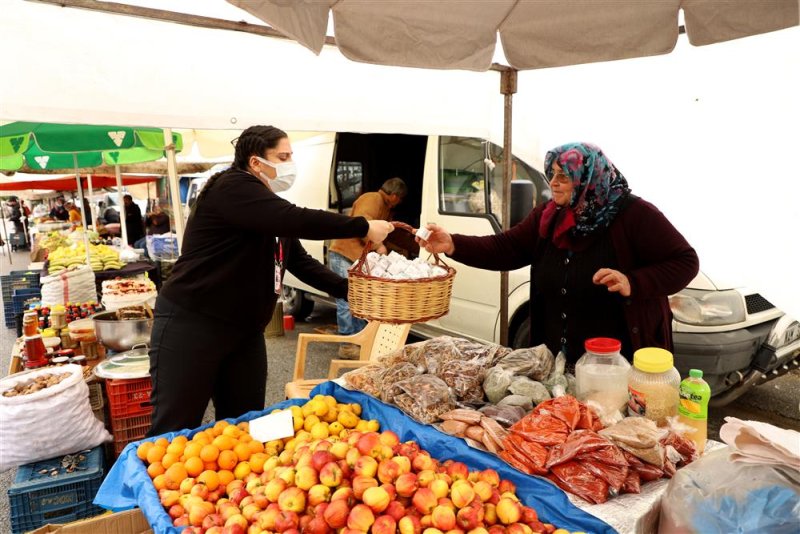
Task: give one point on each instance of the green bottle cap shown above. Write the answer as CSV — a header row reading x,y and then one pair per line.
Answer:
x,y
696,373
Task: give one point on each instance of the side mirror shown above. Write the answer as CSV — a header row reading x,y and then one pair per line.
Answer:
x,y
521,200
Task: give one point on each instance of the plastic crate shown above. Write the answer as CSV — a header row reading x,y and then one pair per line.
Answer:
x,y
36,499
22,296
128,429
127,398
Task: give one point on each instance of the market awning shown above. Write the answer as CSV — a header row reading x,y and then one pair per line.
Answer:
x,y
453,34
68,183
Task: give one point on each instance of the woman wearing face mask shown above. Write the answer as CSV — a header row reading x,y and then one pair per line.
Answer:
x,y
603,261
207,340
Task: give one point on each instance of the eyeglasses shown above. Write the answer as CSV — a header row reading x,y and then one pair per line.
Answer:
x,y
561,178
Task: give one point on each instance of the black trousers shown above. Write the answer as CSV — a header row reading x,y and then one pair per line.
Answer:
x,y
194,358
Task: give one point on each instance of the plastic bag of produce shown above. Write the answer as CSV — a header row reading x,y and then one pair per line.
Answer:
x,y
535,391
505,415
465,378
368,379
496,383
640,437
27,429
517,400
412,353
576,478
534,362
423,397
715,494
395,374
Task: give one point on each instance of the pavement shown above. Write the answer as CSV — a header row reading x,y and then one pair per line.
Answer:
x,y
775,402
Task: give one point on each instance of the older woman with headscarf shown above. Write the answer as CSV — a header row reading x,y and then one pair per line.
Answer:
x,y
603,261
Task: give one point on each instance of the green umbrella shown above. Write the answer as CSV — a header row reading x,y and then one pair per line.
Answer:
x,y
72,146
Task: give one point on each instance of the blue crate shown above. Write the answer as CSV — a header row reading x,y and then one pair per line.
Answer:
x,y
36,499
18,280
21,296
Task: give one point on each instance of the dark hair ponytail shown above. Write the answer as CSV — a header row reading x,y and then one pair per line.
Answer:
x,y
255,140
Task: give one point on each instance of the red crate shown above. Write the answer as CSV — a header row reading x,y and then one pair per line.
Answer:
x,y
128,429
127,398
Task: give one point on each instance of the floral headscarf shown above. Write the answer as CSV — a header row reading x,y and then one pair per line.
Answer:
x,y
598,192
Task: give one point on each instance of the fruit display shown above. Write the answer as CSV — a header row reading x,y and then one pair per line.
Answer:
x,y
101,258
72,312
54,240
337,473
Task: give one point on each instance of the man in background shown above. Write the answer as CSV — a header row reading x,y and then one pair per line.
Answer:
x,y
59,212
377,205
133,220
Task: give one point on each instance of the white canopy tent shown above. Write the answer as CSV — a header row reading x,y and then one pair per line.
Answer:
x,y
695,131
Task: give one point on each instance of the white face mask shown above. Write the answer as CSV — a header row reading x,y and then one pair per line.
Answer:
x,y
285,174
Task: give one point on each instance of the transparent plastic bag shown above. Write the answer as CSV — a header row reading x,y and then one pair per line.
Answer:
x,y
535,391
465,378
368,379
505,415
496,383
533,362
517,400
423,397
394,374
715,494
413,353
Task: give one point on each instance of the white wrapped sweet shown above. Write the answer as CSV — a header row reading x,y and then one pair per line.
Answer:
x,y
395,266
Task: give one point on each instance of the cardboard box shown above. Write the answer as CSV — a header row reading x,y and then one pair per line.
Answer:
x,y
128,522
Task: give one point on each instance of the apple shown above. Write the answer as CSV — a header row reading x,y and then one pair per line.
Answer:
x,y
506,486
470,517
369,444
361,483
495,496
529,515
182,521
318,494
390,489
175,511
518,528
214,530
200,490
234,484
292,499
169,497
431,530
409,525
426,521
267,519
274,488
388,471
213,520
237,519
483,490
387,437
336,513
260,500
443,518
439,488
497,529
352,457
213,496
304,521
287,474
404,463
186,485
384,524
489,514
376,498
422,461
238,495
491,477
426,477
249,511
228,510
366,466
286,520
320,458
339,450
406,484
317,526
235,528
331,475
424,501
252,483
247,500
360,517
457,471
508,511
477,530
305,477
396,510
462,493
344,494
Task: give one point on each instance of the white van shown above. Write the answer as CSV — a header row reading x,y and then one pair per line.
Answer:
x,y
734,335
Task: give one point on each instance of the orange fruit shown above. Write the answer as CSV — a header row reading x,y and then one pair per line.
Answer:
x,y
192,450
225,443
143,449
242,470
242,451
176,473
175,448
211,466
255,446
162,442
257,462
232,431
227,460
201,438
168,459
245,438
209,453
225,477
194,466
180,439
155,453
155,469
160,482
244,426
219,426
210,479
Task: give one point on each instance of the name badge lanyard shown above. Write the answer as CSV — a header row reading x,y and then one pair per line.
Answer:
x,y
278,265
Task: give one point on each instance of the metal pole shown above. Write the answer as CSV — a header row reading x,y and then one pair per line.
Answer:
x,y
174,187
83,211
121,203
508,86
8,241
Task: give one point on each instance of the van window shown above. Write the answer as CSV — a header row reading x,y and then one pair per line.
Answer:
x,y
464,174
349,182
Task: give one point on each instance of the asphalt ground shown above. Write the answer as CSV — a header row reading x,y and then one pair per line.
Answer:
x,y
775,402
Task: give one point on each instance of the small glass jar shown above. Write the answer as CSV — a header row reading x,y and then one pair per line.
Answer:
x,y
35,352
92,350
30,324
653,385
79,360
58,319
601,376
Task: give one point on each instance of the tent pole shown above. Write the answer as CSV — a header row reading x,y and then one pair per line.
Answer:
x,y
91,206
121,206
83,211
508,86
175,192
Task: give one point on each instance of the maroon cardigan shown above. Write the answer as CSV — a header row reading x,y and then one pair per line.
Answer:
x,y
655,257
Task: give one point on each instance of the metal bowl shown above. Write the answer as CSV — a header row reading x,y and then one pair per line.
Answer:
x,y
121,335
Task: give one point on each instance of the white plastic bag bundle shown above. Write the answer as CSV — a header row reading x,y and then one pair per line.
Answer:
x,y
51,422
72,285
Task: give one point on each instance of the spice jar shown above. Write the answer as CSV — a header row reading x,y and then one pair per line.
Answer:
x,y
653,385
601,376
91,349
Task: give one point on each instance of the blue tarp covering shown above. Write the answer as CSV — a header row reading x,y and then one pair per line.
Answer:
x,y
128,484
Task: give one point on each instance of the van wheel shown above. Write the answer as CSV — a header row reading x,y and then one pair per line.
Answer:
x,y
522,336
296,304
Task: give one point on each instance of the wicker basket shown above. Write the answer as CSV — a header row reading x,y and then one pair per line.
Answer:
x,y
398,301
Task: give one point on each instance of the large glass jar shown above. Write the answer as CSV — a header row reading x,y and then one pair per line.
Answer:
x,y
601,376
654,385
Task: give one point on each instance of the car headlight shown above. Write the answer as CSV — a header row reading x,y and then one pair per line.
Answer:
x,y
708,308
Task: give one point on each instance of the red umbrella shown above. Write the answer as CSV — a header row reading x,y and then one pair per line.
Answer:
x,y
68,183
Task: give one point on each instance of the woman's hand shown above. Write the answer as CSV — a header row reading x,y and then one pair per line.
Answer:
x,y
378,230
614,280
439,241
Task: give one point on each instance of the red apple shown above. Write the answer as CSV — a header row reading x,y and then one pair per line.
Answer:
x,y
384,524
320,458
286,520
360,518
175,511
361,483
376,498
409,525
424,501
292,499
331,475
396,510
336,513
443,518
366,466
406,484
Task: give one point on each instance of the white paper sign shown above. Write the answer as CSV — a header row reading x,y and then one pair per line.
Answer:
x,y
273,426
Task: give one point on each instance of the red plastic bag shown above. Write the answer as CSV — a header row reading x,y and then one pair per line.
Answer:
x,y
511,458
579,442
544,429
613,475
577,479
632,483
567,408
532,454
589,419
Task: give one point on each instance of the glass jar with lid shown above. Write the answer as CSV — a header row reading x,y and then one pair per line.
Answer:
x,y
601,376
654,385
